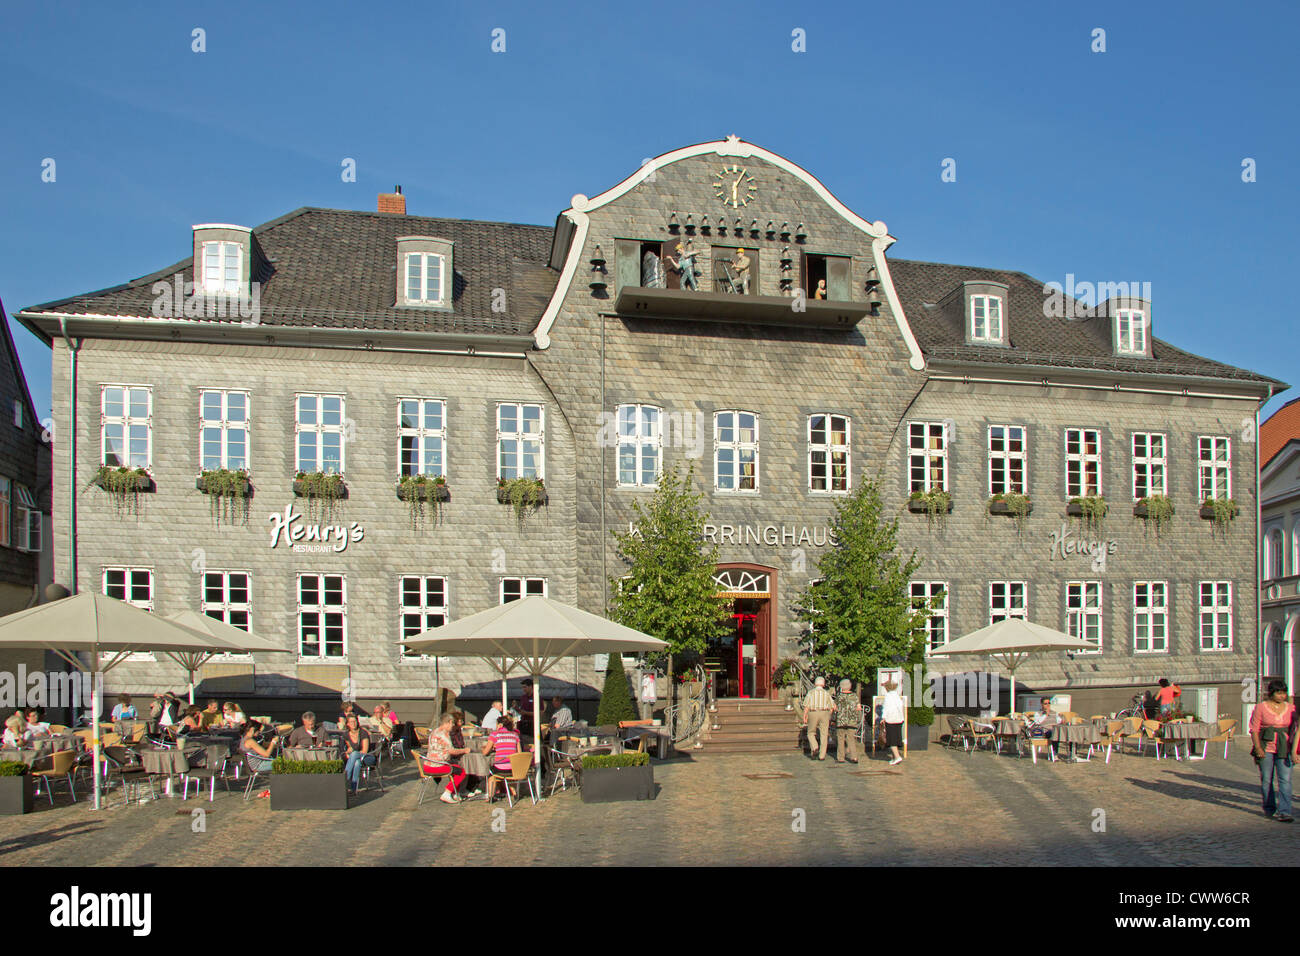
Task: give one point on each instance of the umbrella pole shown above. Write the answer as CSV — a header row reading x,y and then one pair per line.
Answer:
x,y
537,727
505,702
94,732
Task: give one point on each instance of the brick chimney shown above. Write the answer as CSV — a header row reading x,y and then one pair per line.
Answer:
x,y
393,202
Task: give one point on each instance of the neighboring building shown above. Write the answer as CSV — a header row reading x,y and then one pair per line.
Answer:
x,y
1279,559
25,548
803,360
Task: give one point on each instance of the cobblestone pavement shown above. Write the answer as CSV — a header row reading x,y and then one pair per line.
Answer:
x,y
940,807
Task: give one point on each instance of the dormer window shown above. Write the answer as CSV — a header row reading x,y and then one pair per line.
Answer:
x,y
226,258
986,318
424,269
424,275
1131,331
221,267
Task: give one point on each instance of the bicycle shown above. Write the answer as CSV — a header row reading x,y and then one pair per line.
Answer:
x,y
1136,709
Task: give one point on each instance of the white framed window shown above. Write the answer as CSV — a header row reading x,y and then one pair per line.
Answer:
x,y
320,433
936,627
1150,465
322,616
1083,618
1082,462
422,437
228,597
423,600
6,493
927,457
986,318
1006,599
223,430
1007,460
512,589
27,520
424,277
1150,617
521,441
221,267
640,444
1275,555
829,457
135,587
126,426
1215,454
735,451
1132,331
1216,615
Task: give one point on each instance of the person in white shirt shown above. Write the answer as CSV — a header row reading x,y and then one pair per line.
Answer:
x,y
893,715
562,717
36,724
492,716
16,734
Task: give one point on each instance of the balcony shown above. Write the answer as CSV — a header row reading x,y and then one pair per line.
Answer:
x,y
684,305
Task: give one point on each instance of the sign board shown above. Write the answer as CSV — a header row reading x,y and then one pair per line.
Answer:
x,y
600,662
886,674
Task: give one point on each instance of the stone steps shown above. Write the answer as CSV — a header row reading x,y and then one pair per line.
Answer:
x,y
758,726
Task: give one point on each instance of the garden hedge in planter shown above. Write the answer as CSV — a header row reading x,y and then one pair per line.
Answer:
x,y
607,778
308,785
15,787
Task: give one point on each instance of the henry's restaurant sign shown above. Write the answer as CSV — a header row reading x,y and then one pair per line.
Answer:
x,y
312,538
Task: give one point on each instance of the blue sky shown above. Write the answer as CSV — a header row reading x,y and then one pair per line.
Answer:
x,y
1117,166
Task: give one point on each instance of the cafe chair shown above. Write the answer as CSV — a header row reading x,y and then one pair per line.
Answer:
x,y
199,774
124,764
982,731
1039,743
520,764
1152,731
427,777
62,764
369,771
1111,738
959,732
1227,727
565,767
257,766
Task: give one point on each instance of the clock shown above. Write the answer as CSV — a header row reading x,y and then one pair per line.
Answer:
x,y
735,186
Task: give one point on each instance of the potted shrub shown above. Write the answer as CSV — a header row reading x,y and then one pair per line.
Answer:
x,y
919,720
1156,509
610,777
1091,508
308,785
15,787
417,490
786,679
228,493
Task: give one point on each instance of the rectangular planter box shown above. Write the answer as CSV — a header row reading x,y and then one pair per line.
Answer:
x,y
919,508
246,489
427,491
1141,510
1002,508
610,784
143,483
918,738
309,791
300,489
542,497
16,794
1207,512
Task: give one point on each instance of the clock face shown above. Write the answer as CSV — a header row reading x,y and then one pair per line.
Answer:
x,y
735,186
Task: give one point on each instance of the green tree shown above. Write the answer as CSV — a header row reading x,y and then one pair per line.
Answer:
x,y
860,608
668,590
616,699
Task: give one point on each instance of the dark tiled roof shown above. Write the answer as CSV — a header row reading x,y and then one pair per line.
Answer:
x,y
335,268
1035,339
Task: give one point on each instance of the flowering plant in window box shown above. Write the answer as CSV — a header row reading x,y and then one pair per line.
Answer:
x,y
322,489
1219,510
933,504
415,490
124,485
1091,508
1011,503
1157,509
523,494
228,491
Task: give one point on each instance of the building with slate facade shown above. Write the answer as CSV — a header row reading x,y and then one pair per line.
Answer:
x,y
719,307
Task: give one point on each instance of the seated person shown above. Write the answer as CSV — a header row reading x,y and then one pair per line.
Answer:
x,y
212,714
123,710
310,734
36,724
561,716
16,735
490,719
440,757
166,709
389,713
232,716
192,722
502,743
259,753
356,750
1043,723
379,720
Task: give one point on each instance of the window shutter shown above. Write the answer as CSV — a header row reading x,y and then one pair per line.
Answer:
x,y
627,252
837,278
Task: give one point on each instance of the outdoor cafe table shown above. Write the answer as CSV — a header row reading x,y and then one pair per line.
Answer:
x,y
42,747
1075,734
1182,731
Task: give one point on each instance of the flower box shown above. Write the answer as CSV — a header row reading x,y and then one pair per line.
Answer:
x,y
1207,511
300,489
245,488
504,498
16,794
426,491
918,506
612,784
143,483
1004,508
309,791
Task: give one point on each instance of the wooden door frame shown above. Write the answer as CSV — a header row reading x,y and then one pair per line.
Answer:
x,y
772,607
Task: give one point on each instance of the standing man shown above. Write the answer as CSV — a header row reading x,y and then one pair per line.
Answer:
x,y
818,705
490,719
741,264
848,723
649,695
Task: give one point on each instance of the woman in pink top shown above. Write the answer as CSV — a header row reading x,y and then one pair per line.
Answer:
x,y
502,743
439,758
1272,730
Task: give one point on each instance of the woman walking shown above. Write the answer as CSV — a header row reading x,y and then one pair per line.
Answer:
x,y
893,715
1272,731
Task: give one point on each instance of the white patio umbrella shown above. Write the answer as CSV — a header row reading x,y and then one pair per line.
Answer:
x,y
532,635
1011,641
233,639
98,625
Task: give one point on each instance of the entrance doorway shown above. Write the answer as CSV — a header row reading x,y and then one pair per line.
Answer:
x,y
742,659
